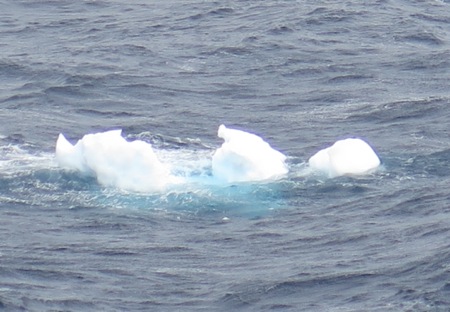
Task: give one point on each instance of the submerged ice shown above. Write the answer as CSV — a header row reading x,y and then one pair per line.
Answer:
x,y
345,157
246,157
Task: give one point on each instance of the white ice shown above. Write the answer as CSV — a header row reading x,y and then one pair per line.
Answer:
x,y
243,157
131,166
134,166
345,157
246,157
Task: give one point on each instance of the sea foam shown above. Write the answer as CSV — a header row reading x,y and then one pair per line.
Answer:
x,y
345,157
246,157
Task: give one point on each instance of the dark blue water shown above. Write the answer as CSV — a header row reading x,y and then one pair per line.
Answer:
x,y
302,74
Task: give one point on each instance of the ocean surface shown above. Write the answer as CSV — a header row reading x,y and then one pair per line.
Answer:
x,y
300,74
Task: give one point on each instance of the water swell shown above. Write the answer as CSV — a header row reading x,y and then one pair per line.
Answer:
x,y
285,292
304,73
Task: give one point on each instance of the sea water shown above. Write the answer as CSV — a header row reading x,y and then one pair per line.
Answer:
x,y
300,75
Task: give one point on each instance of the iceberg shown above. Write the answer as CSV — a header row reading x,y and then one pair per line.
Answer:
x,y
134,166
131,166
345,157
245,157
